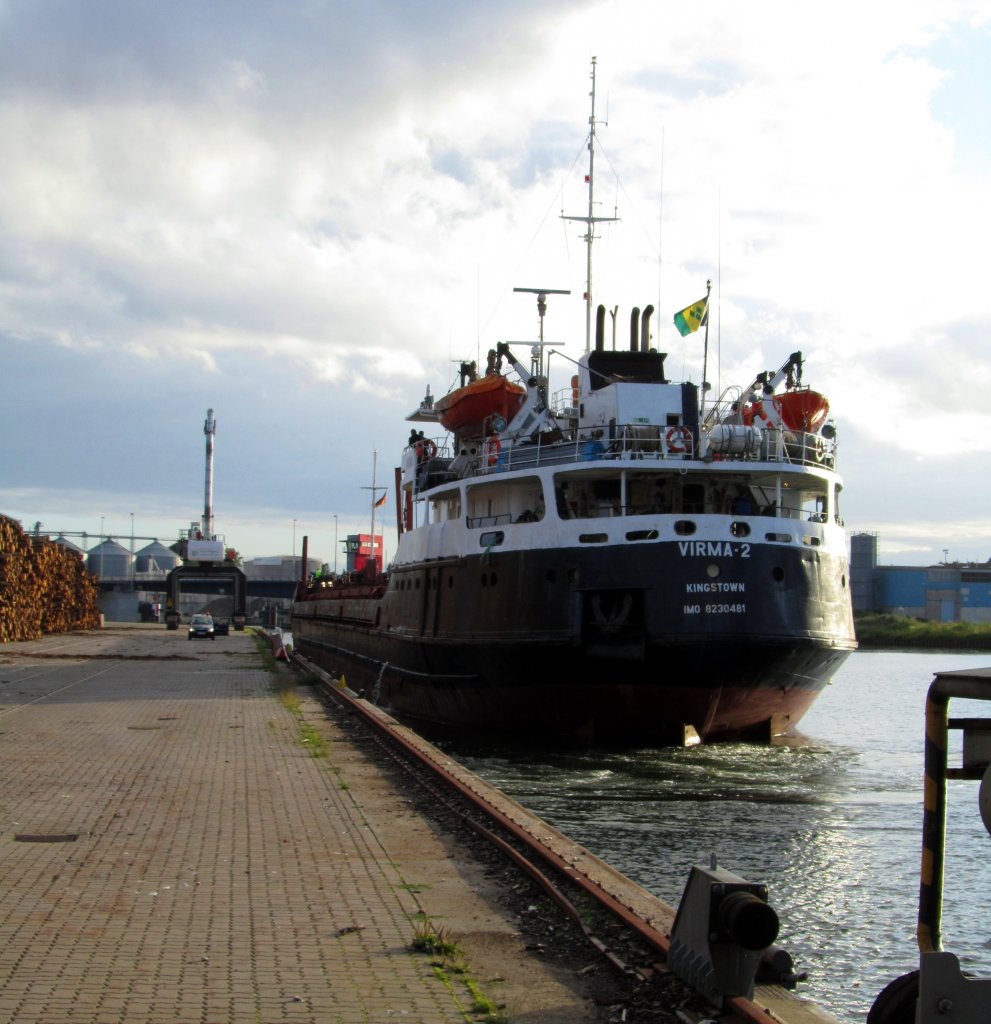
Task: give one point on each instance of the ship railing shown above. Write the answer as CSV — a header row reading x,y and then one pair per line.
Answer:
x,y
662,443
474,522
726,407
798,447
745,516
564,403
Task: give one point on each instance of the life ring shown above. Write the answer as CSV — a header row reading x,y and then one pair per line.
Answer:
x,y
425,450
492,448
683,442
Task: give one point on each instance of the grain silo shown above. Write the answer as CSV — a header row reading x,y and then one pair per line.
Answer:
x,y
109,560
155,557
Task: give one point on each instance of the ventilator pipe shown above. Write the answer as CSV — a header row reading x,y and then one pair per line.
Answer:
x,y
600,329
645,329
634,329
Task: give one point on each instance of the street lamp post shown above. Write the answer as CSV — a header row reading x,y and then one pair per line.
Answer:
x,y
101,546
335,545
294,575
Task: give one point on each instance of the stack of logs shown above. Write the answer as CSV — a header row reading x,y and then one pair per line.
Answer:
x,y
44,587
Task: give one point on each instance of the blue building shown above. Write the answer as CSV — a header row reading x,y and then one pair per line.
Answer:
x,y
938,593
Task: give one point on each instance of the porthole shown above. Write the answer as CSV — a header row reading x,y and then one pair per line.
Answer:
x,y
739,529
778,574
712,570
684,527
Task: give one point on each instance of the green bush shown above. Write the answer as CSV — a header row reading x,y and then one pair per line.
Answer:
x,y
875,630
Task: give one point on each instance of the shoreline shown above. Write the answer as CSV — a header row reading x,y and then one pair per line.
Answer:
x,y
896,632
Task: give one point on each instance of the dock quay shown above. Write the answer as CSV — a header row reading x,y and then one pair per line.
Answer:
x,y
191,832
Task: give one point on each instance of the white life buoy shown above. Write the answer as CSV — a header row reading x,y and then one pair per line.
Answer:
x,y
678,439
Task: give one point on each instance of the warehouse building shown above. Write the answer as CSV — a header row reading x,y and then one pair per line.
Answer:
x,y
937,593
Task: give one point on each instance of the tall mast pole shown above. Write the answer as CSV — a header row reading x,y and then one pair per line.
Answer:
x,y
374,489
210,430
705,356
589,218
589,221
375,460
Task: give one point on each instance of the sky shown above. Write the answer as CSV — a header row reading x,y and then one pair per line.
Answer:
x,y
302,214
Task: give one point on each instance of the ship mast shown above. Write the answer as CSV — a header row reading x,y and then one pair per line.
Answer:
x,y
589,218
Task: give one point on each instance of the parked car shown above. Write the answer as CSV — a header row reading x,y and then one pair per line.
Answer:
x,y
221,627
201,627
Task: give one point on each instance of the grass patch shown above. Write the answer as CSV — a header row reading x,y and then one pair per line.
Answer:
x,y
894,631
434,942
309,736
448,963
264,647
284,687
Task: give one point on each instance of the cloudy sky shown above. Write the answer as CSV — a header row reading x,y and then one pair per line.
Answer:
x,y
302,213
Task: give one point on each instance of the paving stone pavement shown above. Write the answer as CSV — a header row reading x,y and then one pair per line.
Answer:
x,y
169,850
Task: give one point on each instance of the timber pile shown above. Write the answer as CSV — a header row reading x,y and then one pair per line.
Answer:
x,y
44,587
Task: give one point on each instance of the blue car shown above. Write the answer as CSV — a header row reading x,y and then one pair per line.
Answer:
x,y
201,628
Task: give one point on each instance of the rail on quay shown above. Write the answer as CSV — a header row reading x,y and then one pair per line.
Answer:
x,y
549,856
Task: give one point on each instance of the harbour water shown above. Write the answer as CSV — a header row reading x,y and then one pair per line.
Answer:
x,y
832,821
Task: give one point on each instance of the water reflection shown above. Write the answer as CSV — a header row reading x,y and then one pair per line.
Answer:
x,y
831,821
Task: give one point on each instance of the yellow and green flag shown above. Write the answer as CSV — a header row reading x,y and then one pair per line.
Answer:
x,y
691,318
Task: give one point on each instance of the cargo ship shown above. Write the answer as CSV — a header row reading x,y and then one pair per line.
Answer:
x,y
618,562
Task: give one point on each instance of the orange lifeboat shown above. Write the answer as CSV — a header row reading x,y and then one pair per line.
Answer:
x,y
467,409
802,409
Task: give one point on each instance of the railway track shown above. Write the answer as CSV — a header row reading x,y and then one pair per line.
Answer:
x,y
627,926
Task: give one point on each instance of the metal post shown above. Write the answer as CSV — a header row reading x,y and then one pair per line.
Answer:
x,y
335,545
705,356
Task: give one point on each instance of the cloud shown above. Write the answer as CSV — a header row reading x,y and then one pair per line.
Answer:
x,y
303,214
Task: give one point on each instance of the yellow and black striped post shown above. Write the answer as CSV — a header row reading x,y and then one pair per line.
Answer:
x,y
933,820
975,685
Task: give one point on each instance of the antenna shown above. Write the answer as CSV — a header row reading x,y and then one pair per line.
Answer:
x,y
541,293
589,219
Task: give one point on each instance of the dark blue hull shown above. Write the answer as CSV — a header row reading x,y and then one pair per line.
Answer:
x,y
632,644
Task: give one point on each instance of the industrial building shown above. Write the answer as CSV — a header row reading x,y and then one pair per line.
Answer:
x,y
937,593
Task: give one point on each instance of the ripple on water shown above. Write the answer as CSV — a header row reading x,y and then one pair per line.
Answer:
x,y
831,820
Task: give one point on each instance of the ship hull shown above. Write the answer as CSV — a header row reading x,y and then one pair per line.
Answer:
x,y
612,646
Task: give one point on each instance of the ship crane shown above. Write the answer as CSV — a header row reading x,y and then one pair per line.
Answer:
x,y
758,403
534,415
790,372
